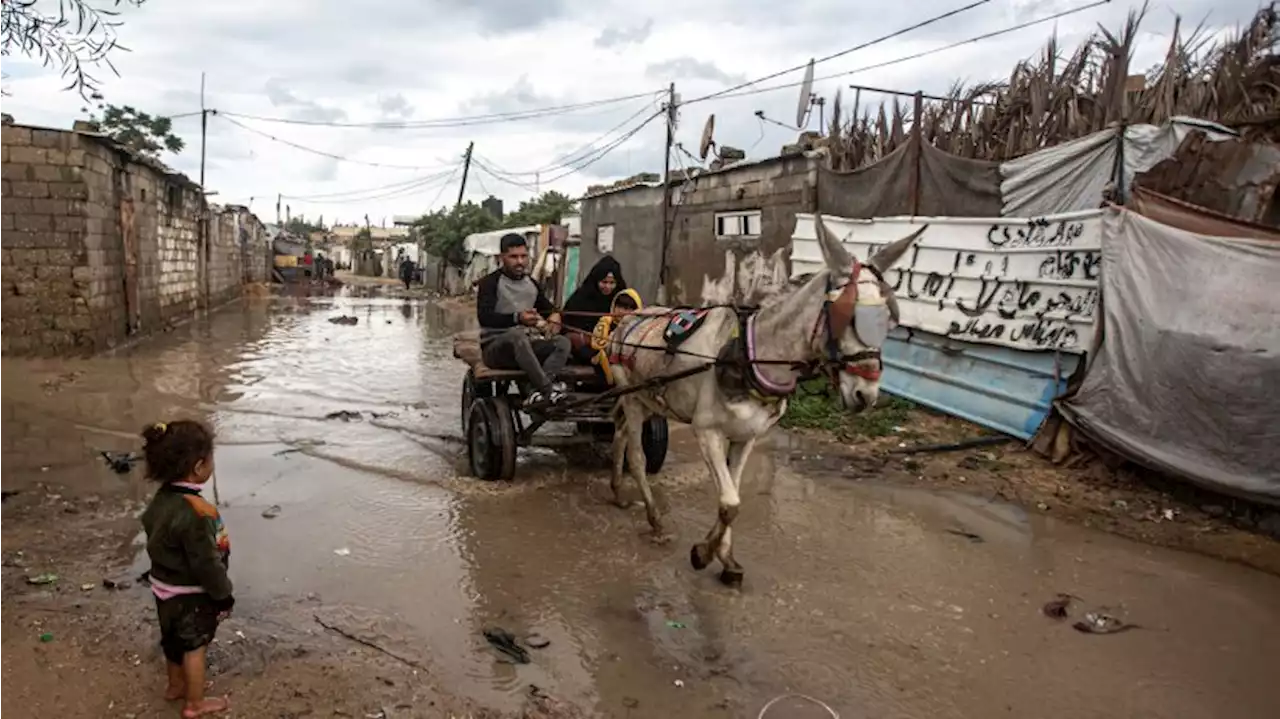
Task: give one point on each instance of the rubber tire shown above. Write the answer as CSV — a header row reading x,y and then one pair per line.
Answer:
x,y
654,439
491,439
468,398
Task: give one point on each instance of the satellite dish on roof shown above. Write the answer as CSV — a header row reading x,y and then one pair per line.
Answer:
x,y
708,135
806,97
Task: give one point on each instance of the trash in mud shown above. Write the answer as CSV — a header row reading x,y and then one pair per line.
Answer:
x,y
672,624
145,578
6,494
537,641
88,587
679,683
272,512
384,415
46,637
1058,607
345,415
344,320
630,702
41,579
118,584
975,538
342,552
505,642
1168,515
120,462
1102,623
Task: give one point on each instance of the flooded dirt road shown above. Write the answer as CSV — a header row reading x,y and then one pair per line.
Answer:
x,y
879,600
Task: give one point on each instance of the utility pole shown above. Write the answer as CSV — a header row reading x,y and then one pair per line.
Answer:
x,y
279,198
466,168
666,193
204,130
537,183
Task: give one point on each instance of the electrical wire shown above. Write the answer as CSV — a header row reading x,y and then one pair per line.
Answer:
x,y
392,194
583,163
925,53
447,182
842,53
568,159
322,153
462,121
341,194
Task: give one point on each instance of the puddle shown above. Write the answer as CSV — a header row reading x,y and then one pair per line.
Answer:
x,y
880,601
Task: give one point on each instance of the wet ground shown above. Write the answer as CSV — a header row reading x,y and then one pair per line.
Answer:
x,y
367,594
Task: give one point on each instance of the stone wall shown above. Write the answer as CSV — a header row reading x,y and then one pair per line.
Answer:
x,y
98,245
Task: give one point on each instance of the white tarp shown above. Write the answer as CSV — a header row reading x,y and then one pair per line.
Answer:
x,y
1185,380
1073,175
1025,283
488,243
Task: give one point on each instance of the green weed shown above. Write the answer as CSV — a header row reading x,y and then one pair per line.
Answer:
x,y
816,406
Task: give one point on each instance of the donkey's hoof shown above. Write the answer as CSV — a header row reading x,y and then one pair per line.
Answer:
x,y
731,578
699,556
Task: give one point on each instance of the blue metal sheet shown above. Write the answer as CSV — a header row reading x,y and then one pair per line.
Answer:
x,y
1001,388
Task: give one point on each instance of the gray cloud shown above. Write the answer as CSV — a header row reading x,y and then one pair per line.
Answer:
x,y
616,37
520,96
688,68
395,107
506,16
299,108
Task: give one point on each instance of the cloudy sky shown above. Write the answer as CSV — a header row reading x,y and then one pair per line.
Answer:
x,y
438,75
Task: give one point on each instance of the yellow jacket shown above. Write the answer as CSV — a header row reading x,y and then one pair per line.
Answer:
x,y
604,329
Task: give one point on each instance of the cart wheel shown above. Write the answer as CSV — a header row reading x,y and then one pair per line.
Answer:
x,y
654,440
468,398
491,439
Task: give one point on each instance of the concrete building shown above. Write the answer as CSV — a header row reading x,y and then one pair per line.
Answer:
x,y
100,244
722,221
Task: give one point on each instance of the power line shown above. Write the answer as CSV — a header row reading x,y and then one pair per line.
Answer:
x,y
392,194
855,48
445,122
321,153
924,53
446,184
414,182
568,159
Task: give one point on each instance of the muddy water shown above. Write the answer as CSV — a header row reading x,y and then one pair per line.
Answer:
x,y
877,600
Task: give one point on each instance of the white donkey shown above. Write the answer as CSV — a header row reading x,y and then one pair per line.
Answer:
x,y
835,322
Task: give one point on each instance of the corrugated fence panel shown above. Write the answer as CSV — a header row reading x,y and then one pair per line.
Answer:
x,y
996,312
1001,388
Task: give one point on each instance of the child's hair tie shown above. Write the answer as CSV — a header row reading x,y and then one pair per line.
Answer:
x,y
161,427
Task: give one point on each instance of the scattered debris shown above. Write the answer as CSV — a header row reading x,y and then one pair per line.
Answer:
x,y
41,579
1168,515
120,462
272,512
345,415
118,584
630,702
804,697
505,642
679,683
334,628
344,320
342,552
537,641
672,624
384,415
975,538
1058,607
1102,623
46,637
6,494
88,587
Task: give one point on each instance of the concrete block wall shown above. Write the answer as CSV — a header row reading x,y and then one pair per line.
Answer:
x,y
67,199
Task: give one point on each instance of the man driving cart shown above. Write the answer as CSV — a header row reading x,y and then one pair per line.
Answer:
x,y
513,311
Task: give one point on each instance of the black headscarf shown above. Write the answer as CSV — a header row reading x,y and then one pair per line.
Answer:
x,y
588,298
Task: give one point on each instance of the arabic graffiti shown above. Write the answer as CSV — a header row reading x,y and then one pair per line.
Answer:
x,y
1038,232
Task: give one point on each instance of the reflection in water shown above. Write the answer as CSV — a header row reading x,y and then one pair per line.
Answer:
x,y
858,594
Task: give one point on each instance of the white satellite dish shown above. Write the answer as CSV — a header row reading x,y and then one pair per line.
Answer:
x,y
806,97
708,137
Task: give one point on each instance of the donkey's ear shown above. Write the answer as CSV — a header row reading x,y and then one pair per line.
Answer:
x,y
892,252
833,252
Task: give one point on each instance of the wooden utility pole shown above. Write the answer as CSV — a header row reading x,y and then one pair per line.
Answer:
x,y
466,168
204,130
666,193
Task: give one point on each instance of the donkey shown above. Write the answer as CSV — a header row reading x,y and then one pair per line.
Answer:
x,y
752,362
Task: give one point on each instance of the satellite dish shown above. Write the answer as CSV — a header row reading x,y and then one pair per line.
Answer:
x,y
806,97
708,133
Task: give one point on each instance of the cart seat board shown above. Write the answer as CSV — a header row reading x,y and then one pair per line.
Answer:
x,y
466,347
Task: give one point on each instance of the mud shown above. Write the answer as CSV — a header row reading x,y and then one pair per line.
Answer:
x,y
366,594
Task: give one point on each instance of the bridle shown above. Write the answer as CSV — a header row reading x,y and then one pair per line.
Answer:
x,y
840,311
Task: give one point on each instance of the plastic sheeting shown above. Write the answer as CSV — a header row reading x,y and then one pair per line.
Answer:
x,y
1072,176
1185,380
949,186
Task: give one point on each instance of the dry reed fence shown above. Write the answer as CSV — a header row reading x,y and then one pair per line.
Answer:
x,y
1054,98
